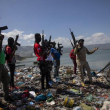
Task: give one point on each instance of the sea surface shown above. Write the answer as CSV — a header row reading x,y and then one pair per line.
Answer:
x,y
96,60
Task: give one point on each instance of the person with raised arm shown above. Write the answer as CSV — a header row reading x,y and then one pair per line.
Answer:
x,y
4,77
80,52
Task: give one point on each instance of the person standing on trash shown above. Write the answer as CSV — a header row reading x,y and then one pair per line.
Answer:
x,y
4,77
80,52
73,58
50,63
56,60
10,57
41,60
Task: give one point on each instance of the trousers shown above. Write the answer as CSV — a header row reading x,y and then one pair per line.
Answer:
x,y
81,65
12,70
75,66
44,73
56,67
5,79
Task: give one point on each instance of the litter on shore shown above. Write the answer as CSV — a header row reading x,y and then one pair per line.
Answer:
x,y
67,92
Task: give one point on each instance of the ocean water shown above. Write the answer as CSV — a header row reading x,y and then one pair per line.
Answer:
x,y
96,60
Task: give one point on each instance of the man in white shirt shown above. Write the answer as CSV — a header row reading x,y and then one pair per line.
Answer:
x,y
50,64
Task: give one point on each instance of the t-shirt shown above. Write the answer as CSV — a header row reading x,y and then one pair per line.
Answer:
x,y
81,55
56,53
37,50
2,57
72,56
9,51
49,57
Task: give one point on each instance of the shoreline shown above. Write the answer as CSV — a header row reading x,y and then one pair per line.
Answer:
x,y
69,53
96,61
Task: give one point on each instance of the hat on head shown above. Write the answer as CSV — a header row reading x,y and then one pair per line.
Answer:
x,y
81,40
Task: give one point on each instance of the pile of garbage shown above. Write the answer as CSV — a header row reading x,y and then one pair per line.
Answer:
x,y
68,93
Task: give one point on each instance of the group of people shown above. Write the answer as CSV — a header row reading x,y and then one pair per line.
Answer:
x,y
78,55
46,57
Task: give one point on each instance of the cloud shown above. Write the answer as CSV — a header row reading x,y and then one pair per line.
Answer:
x,y
97,38
19,41
13,33
28,39
4,42
80,37
64,41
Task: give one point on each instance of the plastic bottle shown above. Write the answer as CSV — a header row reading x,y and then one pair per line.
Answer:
x,y
68,102
20,83
50,99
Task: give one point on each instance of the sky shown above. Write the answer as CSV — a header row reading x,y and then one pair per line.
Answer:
x,y
88,19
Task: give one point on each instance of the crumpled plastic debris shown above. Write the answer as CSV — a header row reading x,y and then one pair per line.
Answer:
x,y
40,98
77,108
106,105
86,107
68,86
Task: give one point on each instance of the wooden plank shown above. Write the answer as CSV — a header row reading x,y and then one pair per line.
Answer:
x,y
35,63
20,65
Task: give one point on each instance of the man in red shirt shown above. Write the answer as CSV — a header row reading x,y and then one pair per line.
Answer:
x,y
73,57
41,60
38,50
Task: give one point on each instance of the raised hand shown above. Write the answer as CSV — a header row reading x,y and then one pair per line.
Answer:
x,y
96,48
1,37
15,48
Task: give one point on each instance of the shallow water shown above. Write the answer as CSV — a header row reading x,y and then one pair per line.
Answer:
x,y
96,60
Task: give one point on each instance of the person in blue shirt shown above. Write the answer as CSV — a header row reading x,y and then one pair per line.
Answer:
x,y
56,60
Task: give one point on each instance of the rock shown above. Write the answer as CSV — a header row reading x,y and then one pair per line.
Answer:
x,y
106,106
19,103
69,71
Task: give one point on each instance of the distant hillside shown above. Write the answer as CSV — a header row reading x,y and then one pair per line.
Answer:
x,y
91,47
101,46
19,57
27,51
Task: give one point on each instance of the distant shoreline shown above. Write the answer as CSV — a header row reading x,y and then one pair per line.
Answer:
x,y
67,53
